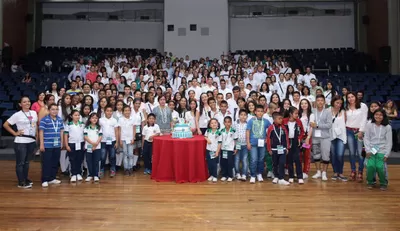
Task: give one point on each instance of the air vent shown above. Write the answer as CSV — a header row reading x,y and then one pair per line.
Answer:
x,y
257,13
48,16
144,17
330,11
112,17
293,12
81,17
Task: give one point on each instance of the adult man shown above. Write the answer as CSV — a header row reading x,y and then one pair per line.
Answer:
x,y
223,90
259,76
232,103
208,87
77,72
314,87
308,77
281,86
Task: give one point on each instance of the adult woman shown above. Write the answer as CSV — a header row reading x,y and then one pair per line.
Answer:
x,y
264,90
182,107
163,116
338,137
27,79
122,84
289,92
306,95
329,93
275,99
286,104
24,143
103,102
356,119
204,117
138,120
54,91
391,112
39,103
306,117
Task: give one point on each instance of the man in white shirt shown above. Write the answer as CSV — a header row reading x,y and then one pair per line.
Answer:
x,y
308,77
250,80
208,86
286,69
223,90
158,84
196,88
187,60
300,78
260,76
280,87
276,72
232,104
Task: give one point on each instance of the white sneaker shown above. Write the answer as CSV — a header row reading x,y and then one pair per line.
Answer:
x,y
73,179
238,176
45,184
243,177
252,180
291,180
305,175
283,182
230,179
317,175
275,180
223,179
210,178
79,177
260,178
88,179
301,181
96,179
215,179
286,171
324,177
270,174
55,181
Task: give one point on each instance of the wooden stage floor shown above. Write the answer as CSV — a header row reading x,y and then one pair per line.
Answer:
x,y
138,203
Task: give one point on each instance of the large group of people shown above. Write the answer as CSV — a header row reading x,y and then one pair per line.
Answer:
x,y
257,116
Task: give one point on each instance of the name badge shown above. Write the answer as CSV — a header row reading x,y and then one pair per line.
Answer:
x,y
137,129
212,155
261,143
374,149
205,121
318,133
55,142
78,146
89,148
108,141
280,149
238,146
225,154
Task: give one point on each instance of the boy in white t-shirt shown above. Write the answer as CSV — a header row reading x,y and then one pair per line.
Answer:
x,y
150,130
227,142
109,142
127,138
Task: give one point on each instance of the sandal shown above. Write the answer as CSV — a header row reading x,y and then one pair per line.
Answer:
x,y
360,177
353,176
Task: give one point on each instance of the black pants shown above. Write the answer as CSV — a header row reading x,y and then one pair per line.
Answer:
x,y
278,162
76,159
50,159
395,141
147,154
227,164
23,154
294,157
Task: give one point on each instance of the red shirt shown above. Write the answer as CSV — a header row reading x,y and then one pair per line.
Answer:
x,y
91,76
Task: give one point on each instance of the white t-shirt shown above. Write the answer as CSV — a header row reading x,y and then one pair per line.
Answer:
x,y
108,126
75,132
228,139
126,126
26,122
214,137
149,131
191,119
93,134
306,122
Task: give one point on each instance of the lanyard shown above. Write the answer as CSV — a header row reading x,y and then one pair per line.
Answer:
x,y
280,134
54,126
29,116
320,115
380,130
151,110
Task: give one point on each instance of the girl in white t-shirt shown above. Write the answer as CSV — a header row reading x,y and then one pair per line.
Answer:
x,y
73,138
192,116
212,150
127,138
306,117
149,132
24,143
93,135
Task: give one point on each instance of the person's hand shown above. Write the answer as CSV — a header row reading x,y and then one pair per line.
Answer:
x,y
360,135
68,148
121,143
42,148
249,146
368,155
235,151
199,132
385,159
116,145
216,154
270,152
19,133
307,141
133,141
313,124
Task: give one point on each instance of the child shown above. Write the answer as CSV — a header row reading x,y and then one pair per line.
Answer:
x,y
109,142
74,145
228,149
378,145
272,107
223,113
93,135
296,133
255,139
242,154
278,141
149,131
127,138
212,136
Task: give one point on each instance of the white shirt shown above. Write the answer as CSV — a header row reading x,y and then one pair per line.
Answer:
x,y
191,119
126,126
26,121
108,126
228,139
220,117
338,130
150,107
129,77
149,131
269,118
253,82
306,122
207,88
291,126
260,77
307,79
93,134
75,132
197,90
225,91
357,118
214,137
280,88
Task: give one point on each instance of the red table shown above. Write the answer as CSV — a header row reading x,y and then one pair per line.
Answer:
x,y
179,160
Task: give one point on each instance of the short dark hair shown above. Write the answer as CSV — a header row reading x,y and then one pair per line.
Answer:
x,y
276,115
224,102
235,88
228,118
258,106
320,96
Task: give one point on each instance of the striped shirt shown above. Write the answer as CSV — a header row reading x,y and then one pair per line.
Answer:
x,y
51,131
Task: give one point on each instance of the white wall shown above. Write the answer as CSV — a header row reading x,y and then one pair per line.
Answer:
x,y
291,32
204,13
112,34
71,8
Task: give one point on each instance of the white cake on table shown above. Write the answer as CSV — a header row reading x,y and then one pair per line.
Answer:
x,y
181,130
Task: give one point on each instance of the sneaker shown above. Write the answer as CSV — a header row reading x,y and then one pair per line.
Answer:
x,y
130,172
334,177
252,180
305,175
291,180
230,179
370,186
286,171
270,174
55,181
223,179
112,174
101,174
317,175
126,172
73,179
210,178
215,179
149,171
343,178
28,181
243,178
79,177
238,176
260,178
324,177
88,179
283,182
275,181
45,184
96,179
383,187
301,181
24,185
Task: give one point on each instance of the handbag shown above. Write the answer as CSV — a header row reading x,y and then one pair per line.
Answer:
x,y
138,136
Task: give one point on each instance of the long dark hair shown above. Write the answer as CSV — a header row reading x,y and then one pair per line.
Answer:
x,y
201,108
99,107
308,110
336,98
289,93
371,114
385,120
181,110
70,119
98,120
64,107
358,103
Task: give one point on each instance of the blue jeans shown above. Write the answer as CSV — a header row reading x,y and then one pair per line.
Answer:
x,y
337,151
111,155
128,155
93,160
242,155
212,164
23,154
355,148
50,159
147,154
76,159
257,160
